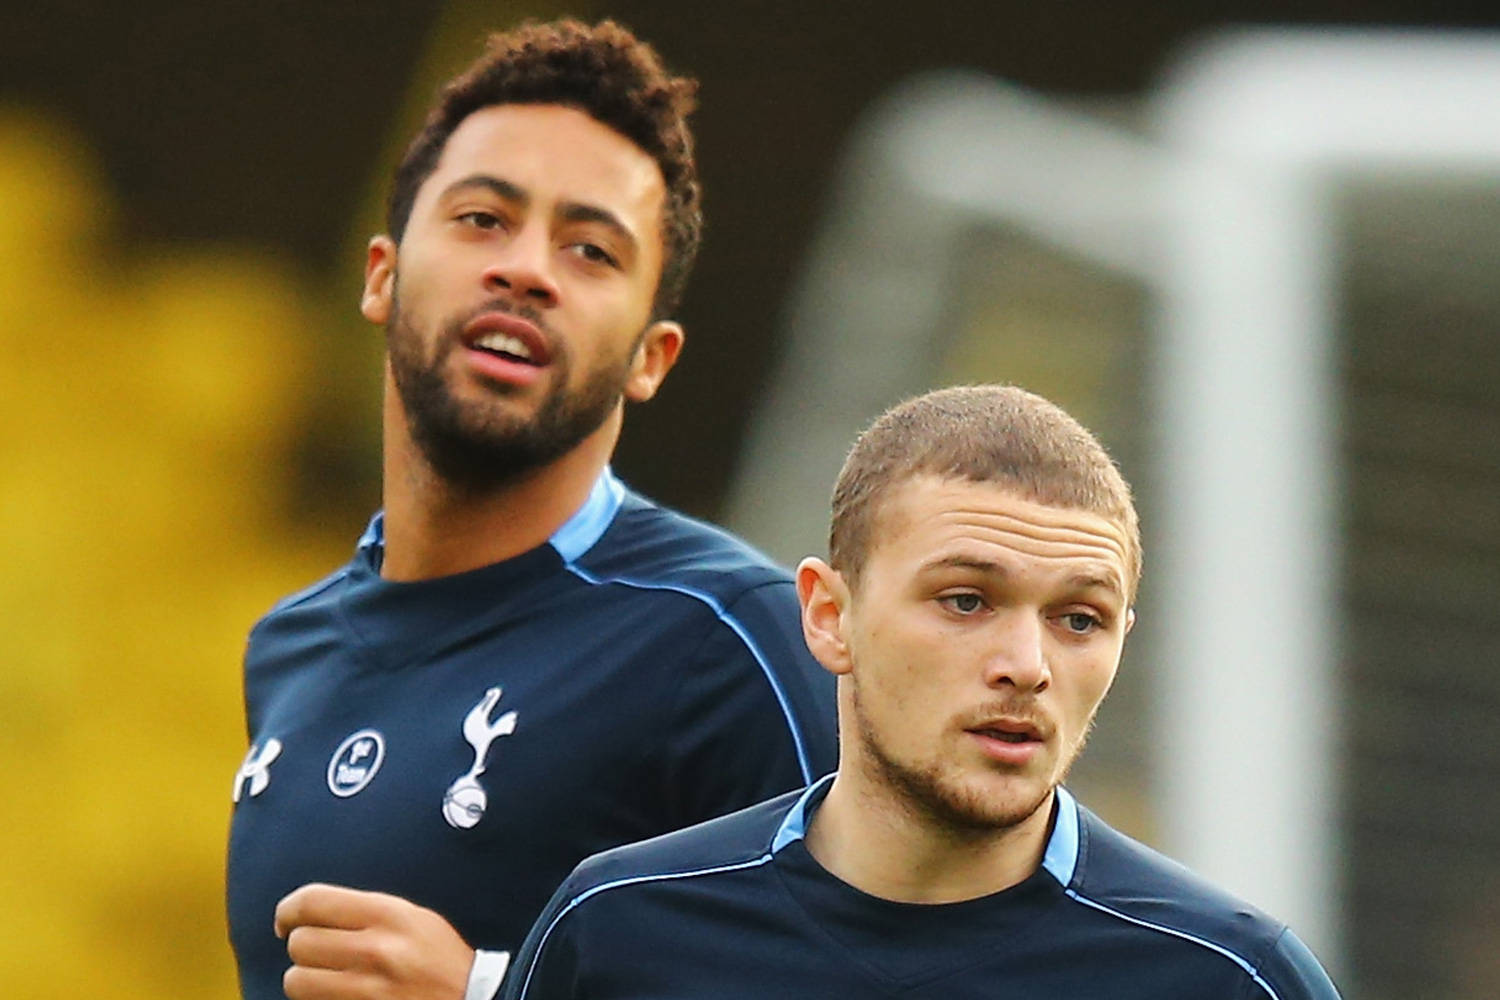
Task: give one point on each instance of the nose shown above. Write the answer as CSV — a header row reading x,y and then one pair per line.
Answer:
x,y
1018,657
522,266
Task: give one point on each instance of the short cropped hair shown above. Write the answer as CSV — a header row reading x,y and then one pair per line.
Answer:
x,y
998,434
607,73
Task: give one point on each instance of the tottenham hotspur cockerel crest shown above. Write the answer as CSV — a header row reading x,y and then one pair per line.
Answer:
x,y
465,799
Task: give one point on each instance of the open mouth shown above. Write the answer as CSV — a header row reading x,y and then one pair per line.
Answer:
x,y
504,345
508,337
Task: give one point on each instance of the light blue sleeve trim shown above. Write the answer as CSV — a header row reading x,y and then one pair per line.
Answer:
x,y
739,629
618,883
794,826
1061,858
1249,969
581,531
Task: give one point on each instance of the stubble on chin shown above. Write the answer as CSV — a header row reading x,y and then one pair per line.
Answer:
x,y
940,795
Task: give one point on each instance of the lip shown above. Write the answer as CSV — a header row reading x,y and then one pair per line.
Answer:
x,y
997,748
499,368
1010,724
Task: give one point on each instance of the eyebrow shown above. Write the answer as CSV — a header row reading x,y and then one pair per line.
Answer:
x,y
568,211
1081,581
500,188
575,211
965,562
1107,581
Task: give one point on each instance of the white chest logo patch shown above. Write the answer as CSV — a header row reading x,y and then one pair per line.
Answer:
x,y
465,800
256,768
355,762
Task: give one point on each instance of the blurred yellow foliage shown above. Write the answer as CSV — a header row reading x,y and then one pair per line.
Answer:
x,y
148,403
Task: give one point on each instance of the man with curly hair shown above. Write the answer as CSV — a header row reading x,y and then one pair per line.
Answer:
x,y
525,662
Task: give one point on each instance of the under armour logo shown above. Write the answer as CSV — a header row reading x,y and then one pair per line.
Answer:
x,y
256,768
465,800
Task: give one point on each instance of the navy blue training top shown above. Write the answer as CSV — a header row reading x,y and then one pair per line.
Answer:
x,y
737,909
463,742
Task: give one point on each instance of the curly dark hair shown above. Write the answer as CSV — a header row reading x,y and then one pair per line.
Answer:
x,y
604,71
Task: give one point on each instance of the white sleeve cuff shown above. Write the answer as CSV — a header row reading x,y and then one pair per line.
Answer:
x,y
485,974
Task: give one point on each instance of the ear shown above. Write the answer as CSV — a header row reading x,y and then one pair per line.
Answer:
x,y
380,280
825,602
654,357
1129,620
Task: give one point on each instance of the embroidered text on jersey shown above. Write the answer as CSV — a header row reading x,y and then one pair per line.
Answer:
x,y
355,762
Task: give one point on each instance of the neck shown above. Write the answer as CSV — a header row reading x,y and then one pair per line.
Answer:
x,y
865,835
433,530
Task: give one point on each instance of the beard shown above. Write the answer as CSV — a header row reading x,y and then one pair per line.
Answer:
x,y
937,793
474,448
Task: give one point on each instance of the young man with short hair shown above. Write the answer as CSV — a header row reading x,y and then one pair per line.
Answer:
x,y
983,567
525,662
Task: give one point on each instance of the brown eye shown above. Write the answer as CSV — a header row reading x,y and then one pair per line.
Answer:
x,y
480,220
594,253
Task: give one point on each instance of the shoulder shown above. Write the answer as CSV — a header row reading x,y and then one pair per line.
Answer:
x,y
620,905
653,547
739,840
310,594
294,610
1126,880
742,656
681,859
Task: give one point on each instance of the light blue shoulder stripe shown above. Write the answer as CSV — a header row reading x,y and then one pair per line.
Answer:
x,y
794,826
1061,858
619,883
1249,969
581,531
740,630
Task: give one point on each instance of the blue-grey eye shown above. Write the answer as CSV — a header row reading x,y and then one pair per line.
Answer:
x,y
965,603
1080,622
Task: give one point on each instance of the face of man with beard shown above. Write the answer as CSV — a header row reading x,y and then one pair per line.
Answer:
x,y
974,650
478,448
517,306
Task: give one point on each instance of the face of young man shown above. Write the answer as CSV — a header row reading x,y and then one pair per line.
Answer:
x,y
983,634
517,304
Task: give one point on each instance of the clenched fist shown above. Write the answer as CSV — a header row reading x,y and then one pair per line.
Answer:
x,y
346,944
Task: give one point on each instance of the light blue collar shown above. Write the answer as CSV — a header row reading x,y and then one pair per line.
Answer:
x,y
577,535
588,525
1060,858
794,826
374,536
